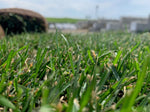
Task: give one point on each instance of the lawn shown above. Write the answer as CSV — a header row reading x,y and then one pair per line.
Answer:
x,y
55,72
64,20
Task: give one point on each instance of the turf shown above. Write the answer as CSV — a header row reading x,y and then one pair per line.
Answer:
x,y
64,20
75,73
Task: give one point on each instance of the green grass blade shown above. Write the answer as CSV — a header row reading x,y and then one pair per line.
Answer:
x,y
65,40
117,57
114,70
90,57
129,100
5,102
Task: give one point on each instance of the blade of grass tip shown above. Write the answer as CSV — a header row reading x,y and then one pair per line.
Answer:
x,y
27,46
115,87
86,95
27,103
70,104
114,70
137,45
16,85
130,99
71,100
26,100
103,80
31,104
40,58
78,46
117,57
64,87
41,87
12,54
5,102
109,94
147,48
45,94
32,76
137,66
122,83
85,98
91,58
51,64
126,56
8,62
105,54
56,35
75,81
65,39
78,65
71,61
145,101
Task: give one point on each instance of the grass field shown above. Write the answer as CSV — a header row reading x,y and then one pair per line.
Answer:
x,y
75,73
64,20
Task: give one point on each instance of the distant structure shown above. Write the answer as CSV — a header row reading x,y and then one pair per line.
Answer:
x,y
113,26
101,24
96,11
130,24
85,24
127,21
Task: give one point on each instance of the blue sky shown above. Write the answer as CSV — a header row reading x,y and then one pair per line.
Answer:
x,y
112,9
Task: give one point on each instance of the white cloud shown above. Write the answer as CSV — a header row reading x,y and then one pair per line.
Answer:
x,y
140,2
81,8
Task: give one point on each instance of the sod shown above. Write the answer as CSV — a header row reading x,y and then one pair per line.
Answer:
x,y
2,34
15,20
55,72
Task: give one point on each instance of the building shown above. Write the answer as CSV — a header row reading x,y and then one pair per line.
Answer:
x,y
113,26
126,22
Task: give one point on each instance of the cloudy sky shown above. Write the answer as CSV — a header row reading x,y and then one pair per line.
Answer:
x,y
112,9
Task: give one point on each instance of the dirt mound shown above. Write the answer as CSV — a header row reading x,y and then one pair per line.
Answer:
x,y
15,20
2,34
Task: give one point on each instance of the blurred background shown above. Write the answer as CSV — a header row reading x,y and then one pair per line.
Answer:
x,y
90,15
92,9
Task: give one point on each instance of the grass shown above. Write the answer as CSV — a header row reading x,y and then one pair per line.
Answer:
x,y
64,20
75,73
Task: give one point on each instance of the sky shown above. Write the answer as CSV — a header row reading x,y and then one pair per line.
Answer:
x,y
92,9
